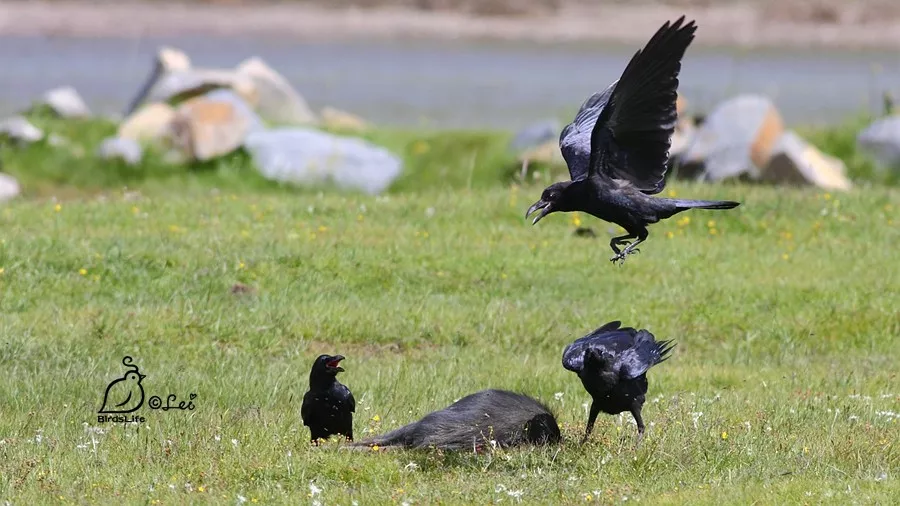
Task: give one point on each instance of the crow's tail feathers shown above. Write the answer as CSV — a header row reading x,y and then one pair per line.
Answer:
x,y
683,205
664,348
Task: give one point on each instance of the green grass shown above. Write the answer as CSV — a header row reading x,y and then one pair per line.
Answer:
x,y
454,159
786,321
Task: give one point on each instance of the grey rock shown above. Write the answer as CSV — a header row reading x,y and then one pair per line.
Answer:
x,y
18,129
278,101
310,157
9,187
117,148
535,135
66,103
736,138
881,141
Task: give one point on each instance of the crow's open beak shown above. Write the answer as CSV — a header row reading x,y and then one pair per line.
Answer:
x,y
545,208
334,363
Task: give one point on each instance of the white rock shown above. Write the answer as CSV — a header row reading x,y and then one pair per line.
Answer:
x,y
66,103
117,148
278,101
18,129
9,187
309,157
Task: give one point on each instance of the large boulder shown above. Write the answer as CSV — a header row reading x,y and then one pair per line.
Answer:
x,y
9,187
213,125
18,130
794,161
881,141
736,138
310,157
276,100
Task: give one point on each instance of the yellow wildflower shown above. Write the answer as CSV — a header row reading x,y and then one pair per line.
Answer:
x,y
2,270
785,256
201,489
724,435
713,231
711,223
376,418
672,194
670,234
57,207
82,271
323,228
241,265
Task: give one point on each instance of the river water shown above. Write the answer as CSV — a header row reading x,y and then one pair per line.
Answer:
x,y
454,84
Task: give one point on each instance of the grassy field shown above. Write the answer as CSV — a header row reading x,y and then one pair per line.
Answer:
x,y
783,387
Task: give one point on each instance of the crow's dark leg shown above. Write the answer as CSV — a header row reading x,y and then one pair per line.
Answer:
x,y
631,249
636,413
592,417
615,241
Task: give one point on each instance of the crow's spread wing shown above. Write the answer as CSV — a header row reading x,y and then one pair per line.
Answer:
x,y
633,132
610,339
575,138
644,354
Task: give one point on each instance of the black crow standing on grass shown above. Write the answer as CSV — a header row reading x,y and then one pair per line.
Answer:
x,y
612,363
328,406
618,146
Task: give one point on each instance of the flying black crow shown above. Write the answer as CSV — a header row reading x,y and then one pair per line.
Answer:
x,y
618,145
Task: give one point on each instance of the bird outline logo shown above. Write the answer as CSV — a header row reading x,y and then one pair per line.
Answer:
x,y
125,394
